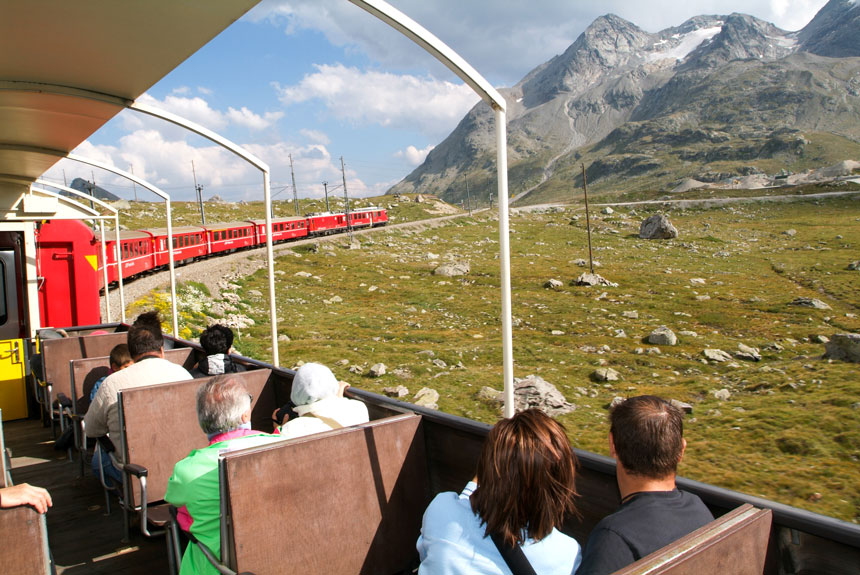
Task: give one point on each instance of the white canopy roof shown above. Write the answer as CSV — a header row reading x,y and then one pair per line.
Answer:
x,y
68,67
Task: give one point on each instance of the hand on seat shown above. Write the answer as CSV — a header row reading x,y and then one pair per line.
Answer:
x,y
25,494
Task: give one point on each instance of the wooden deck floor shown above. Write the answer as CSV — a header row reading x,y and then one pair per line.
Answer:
x,y
83,539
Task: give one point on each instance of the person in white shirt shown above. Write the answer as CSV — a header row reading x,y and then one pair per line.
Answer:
x,y
146,346
319,403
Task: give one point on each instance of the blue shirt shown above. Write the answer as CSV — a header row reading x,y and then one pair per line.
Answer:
x,y
452,542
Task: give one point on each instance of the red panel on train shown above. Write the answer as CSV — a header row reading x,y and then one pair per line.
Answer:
x,y
67,262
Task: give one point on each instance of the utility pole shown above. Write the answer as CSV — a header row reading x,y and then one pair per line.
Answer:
x,y
295,193
325,189
587,219
133,185
468,196
93,190
346,199
65,183
199,190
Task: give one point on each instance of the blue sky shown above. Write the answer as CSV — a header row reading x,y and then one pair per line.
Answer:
x,y
321,79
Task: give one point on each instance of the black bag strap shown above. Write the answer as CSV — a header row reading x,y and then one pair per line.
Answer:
x,y
514,557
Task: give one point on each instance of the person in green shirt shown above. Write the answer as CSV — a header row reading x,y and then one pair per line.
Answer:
x,y
224,414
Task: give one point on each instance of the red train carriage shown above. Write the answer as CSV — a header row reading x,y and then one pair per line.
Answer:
x,y
229,237
366,217
189,242
282,229
137,253
379,215
326,223
66,266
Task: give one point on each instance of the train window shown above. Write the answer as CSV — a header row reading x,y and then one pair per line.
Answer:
x,y
175,243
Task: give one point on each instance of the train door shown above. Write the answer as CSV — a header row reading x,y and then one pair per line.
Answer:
x,y
13,391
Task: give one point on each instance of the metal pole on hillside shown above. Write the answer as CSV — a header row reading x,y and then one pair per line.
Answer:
x,y
325,189
587,219
468,195
295,193
346,200
199,190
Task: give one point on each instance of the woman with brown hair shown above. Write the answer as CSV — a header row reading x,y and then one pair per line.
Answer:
x,y
523,491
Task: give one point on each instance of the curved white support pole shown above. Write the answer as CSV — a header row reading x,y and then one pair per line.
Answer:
x,y
267,194
485,90
166,198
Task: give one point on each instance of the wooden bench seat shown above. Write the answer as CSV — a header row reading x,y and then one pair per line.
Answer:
x,y
735,543
159,427
357,493
24,547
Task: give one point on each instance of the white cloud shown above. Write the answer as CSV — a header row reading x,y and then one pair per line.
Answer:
x,y
394,101
205,91
413,156
198,110
247,118
513,37
315,136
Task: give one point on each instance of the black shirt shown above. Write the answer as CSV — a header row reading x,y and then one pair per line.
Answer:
x,y
643,524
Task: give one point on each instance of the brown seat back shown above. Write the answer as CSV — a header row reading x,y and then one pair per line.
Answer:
x,y
3,470
160,426
735,543
357,493
57,353
84,372
25,542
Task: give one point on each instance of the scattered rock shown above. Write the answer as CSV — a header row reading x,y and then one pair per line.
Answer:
x,y
685,407
657,227
697,281
662,336
377,370
283,337
255,293
818,338
342,362
588,279
534,391
452,270
773,346
844,346
630,314
553,284
358,370
722,394
747,353
791,232
854,265
491,395
810,302
688,333
605,374
607,210
303,274
717,355
427,397
439,363
428,352
398,391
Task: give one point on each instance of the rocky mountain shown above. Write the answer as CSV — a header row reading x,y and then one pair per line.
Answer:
x,y
714,97
83,185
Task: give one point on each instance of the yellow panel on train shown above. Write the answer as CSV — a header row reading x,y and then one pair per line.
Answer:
x,y
13,391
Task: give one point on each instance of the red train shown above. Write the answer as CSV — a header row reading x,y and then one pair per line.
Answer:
x,y
69,254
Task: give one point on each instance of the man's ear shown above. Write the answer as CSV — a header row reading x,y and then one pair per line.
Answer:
x,y
161,353
683,449
246,417
612,446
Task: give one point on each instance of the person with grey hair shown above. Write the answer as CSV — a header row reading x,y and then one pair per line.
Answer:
x,y
224,414
320,404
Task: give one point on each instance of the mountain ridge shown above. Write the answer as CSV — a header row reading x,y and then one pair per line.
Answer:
x,y
734,75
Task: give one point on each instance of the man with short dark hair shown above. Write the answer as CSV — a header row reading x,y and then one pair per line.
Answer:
x,y
216,340
224,415
146,347
646,438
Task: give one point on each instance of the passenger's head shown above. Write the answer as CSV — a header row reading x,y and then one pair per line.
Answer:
x,y
647,436
526,476
144,335
223,404
216,339
313,382
120,358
